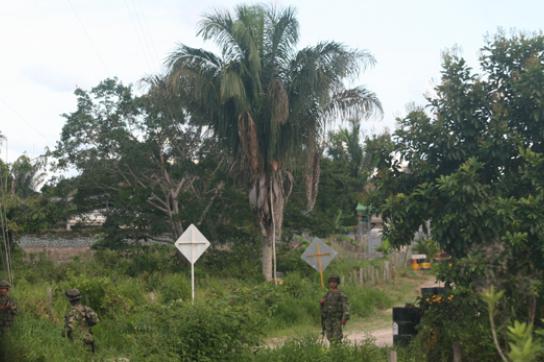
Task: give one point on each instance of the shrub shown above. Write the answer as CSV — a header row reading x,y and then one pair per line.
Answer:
x,y
289,261
216,332
39,268
174,287
101,294
237,259
200,332
456,319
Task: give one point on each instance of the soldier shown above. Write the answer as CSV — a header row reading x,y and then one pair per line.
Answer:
x,y
334,311
8,308
79,320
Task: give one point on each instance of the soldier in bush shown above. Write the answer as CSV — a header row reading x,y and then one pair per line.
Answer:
x,y
334,311
79,320
8,308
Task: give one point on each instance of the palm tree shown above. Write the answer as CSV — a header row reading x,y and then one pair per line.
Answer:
x,y
268,103
318,97
27,175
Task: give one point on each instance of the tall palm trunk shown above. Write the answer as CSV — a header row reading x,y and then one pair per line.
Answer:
x,y
311,178
268,196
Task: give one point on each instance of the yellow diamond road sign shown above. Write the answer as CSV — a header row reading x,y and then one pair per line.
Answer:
x,y
319,255
192,244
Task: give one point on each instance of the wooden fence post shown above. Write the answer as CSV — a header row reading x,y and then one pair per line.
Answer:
x,y
393,356
456,352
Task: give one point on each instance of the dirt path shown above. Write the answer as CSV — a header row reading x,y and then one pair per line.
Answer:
x,y
383,336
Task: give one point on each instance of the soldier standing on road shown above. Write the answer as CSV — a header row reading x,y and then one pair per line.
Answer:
x,y
8,308
79,320
334,311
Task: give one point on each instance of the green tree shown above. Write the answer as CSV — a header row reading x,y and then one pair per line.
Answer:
x,y
346,166
472,164
136,156
267,102
27,175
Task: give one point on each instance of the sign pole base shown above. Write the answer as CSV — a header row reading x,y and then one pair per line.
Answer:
x,y
193,282
321,278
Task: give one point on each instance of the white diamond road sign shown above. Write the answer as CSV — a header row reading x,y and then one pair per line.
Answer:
x,y
192,244
319,255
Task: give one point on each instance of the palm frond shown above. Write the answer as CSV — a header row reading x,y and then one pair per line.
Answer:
x,y
232,87
357,103
249,28
219,26
203,60
281,36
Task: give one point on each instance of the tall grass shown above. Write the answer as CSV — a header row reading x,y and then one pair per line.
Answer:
x,y
142,296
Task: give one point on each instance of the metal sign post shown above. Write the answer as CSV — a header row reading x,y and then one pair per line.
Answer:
x,y
192,244
319,255
193,282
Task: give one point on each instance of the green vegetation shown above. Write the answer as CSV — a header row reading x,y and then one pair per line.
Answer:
x,y
234,142
309,350
142,295
473,166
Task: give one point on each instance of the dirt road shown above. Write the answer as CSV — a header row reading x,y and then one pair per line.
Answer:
x,y
383,336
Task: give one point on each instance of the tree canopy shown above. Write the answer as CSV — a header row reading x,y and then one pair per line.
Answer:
x,y
470,163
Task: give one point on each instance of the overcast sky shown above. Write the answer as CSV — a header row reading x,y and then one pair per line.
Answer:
x,y
48,47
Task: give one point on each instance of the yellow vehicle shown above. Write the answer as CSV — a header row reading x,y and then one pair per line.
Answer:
x,y
420,262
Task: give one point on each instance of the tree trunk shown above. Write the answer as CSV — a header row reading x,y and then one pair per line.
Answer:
x,y
312,173
266,259
271,236
532,310
268,197
175,222
176,228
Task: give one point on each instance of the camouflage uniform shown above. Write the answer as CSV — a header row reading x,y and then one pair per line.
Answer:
x,y
334,310
79,320
8,309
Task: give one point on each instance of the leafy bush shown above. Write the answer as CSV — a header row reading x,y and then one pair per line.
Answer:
x,y
459,319
289,260
215,332
236,259
174,287
200,332
98,292
40,268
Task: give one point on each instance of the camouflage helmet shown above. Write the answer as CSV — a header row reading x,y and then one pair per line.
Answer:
x,y
334,278
4,284
73,294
